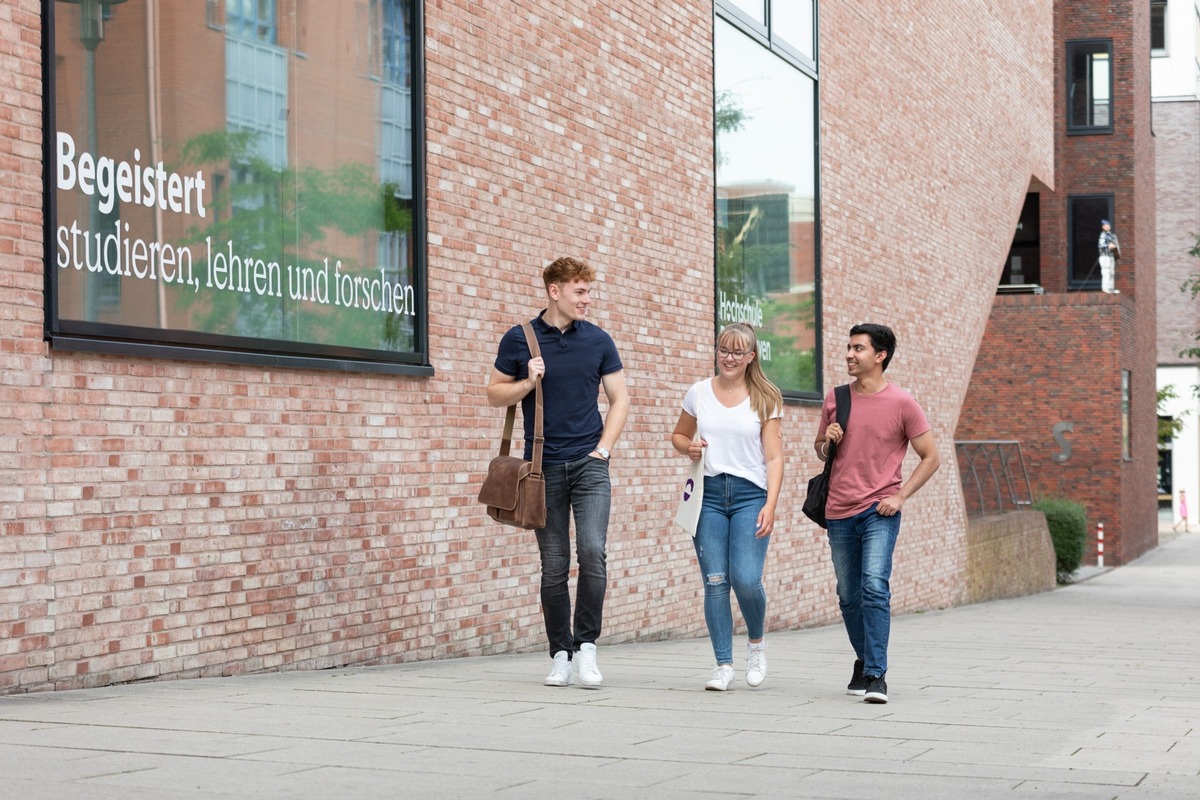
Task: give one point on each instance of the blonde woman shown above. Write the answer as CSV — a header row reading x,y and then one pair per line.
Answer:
x,y
733,422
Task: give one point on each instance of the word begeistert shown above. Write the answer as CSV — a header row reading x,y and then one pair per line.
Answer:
x,y
146,185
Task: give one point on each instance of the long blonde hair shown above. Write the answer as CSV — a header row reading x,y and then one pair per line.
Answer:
x,y
765,397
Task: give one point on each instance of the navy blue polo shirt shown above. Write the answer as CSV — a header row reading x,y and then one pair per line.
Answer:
x,y
576,360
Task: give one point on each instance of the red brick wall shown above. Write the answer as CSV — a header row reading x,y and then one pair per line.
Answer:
x,y
164,518
1071,349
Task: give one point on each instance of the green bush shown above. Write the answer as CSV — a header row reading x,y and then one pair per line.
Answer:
x,y
1067,522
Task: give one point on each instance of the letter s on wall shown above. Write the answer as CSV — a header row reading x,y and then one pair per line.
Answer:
x,y
1065,453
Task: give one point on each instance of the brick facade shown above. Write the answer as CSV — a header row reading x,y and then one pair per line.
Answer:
x,y
1177,143
1076,380
165,518
1059,357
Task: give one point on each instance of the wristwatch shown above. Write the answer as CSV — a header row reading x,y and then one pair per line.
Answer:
x,y
603,451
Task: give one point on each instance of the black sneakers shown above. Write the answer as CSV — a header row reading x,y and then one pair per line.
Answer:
x,y
858,684
876,689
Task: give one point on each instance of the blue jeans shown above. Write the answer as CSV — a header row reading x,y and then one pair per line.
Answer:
x,y
731,555
862,548
581,486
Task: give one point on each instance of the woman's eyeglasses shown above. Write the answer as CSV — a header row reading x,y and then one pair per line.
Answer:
x,y
722,353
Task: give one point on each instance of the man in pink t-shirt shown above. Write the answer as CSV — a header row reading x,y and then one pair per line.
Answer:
x,y
866,493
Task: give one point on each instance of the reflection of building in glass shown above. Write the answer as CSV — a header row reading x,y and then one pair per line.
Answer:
x,y
295,133
770,249
395,129
765,128
256,79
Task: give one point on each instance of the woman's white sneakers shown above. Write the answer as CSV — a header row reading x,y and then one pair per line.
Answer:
x,y
756,669
721,678
756,663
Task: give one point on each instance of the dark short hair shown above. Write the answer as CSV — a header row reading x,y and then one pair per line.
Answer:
x,y
882,339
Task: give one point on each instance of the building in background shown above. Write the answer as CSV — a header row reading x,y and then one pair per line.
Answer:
x,y
1066,370
1175,86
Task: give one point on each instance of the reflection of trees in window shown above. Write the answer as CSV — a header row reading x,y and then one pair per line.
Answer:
x,y
729,117
759,244
754,249
287,226
395,246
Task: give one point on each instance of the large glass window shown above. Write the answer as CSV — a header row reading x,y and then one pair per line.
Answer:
x,y
1089,86
1084,215
766,203
219,194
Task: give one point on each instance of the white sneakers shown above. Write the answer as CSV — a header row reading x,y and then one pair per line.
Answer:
x,y
756,669
721,678
756,663
561,673
589,672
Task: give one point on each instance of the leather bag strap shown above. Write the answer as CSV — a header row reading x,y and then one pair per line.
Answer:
x,y
841,396
511,416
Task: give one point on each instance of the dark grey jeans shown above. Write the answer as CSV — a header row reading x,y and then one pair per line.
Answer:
x,y
582,487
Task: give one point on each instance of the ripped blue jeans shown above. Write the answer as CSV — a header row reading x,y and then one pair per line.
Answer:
x,y
731,556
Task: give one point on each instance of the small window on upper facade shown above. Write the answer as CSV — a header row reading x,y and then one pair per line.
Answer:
x,y
1158,27
1089,86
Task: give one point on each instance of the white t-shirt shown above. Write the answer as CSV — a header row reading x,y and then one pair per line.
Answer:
x,y
734,435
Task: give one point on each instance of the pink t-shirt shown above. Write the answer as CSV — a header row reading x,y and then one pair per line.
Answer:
x,y
866,468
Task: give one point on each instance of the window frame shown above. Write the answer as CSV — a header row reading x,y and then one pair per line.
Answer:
x,y
1073,46
1158,18
1126,406
115,338
255,26
736,17
1092,283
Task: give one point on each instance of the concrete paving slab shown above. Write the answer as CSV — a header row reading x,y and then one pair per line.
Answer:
x,y
1079,693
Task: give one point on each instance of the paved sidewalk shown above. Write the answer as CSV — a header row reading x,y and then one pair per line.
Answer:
x,y
1088,691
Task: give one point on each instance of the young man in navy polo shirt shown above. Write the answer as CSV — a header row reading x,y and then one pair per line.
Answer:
x,y
577,358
